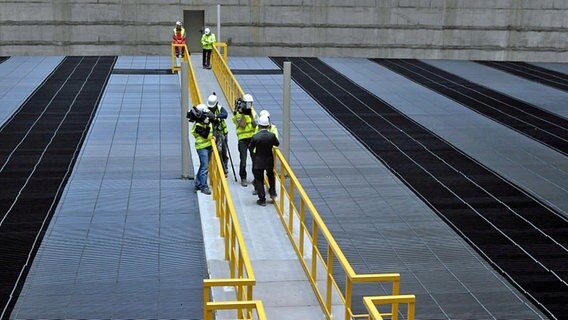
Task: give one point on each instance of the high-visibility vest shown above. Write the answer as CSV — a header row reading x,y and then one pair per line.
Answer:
x,y
207,41
179,34
200,142
222,124
249,130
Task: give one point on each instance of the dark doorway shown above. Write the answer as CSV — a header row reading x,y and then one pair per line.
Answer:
x,y
193,22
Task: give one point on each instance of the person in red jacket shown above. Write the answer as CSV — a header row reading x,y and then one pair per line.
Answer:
x,y
179,38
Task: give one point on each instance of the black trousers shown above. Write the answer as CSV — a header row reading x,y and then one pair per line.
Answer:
x,y
243,148
259,182
206,57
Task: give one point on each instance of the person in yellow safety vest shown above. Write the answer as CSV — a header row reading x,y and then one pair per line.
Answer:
x,y
220,130
207,41
178,37
243,118
202,130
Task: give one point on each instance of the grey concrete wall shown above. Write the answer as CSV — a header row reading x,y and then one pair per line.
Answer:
x,y
529,30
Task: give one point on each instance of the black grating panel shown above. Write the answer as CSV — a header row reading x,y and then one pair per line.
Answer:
x,y
531,72
519,236
38,148
541,125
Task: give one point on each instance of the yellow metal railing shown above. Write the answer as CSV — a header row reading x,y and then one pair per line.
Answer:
x,y
255,305
227,81
241,272
241,275
293,207
192,80
374,314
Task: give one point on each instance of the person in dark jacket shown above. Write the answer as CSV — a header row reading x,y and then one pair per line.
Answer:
x,y
263,160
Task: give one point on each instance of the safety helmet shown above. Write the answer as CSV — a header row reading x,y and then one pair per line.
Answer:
x,y
212,101
178,23
263,121
247,98
201,109
207,31
264,113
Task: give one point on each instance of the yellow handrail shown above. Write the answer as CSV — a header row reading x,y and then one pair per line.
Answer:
x,y
255,305
374,314
229,84
289,211
241,272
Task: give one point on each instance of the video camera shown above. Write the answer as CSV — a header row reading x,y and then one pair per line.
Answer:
x,y
195,115
242,107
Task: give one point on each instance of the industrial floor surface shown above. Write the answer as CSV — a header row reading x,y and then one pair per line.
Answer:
x,y
126,239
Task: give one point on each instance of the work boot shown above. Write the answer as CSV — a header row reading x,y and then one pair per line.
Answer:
x,y
254,192
206,191
261,202
244,182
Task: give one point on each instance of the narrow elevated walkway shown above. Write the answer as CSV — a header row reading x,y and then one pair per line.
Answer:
x,y
281,282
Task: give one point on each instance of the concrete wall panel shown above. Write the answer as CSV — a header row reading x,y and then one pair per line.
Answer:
x,y
453,29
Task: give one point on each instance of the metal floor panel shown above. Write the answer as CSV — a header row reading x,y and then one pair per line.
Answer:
x,y
544,97
531,72
126,239
555,66
19,77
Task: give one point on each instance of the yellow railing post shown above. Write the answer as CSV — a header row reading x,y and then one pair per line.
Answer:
x,y
314,251
348,297
329,282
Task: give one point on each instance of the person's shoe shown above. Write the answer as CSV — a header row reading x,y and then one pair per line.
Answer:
x,y
205,191
196,189
244,183
261,202
273,195
254,192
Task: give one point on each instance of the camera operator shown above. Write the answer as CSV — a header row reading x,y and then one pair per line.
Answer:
x,y
220,129
243,118
202,130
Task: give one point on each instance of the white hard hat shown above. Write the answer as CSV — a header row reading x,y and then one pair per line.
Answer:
x,y
202,108
212,101
178,23
264,113
247,98
207,31
263,121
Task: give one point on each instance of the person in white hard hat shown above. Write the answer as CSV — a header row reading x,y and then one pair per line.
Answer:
x,y
220,130
263,160
203,132
207,41
179,38
243,118
272,128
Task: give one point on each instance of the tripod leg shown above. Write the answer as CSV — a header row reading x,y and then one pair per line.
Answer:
x,y
230,159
